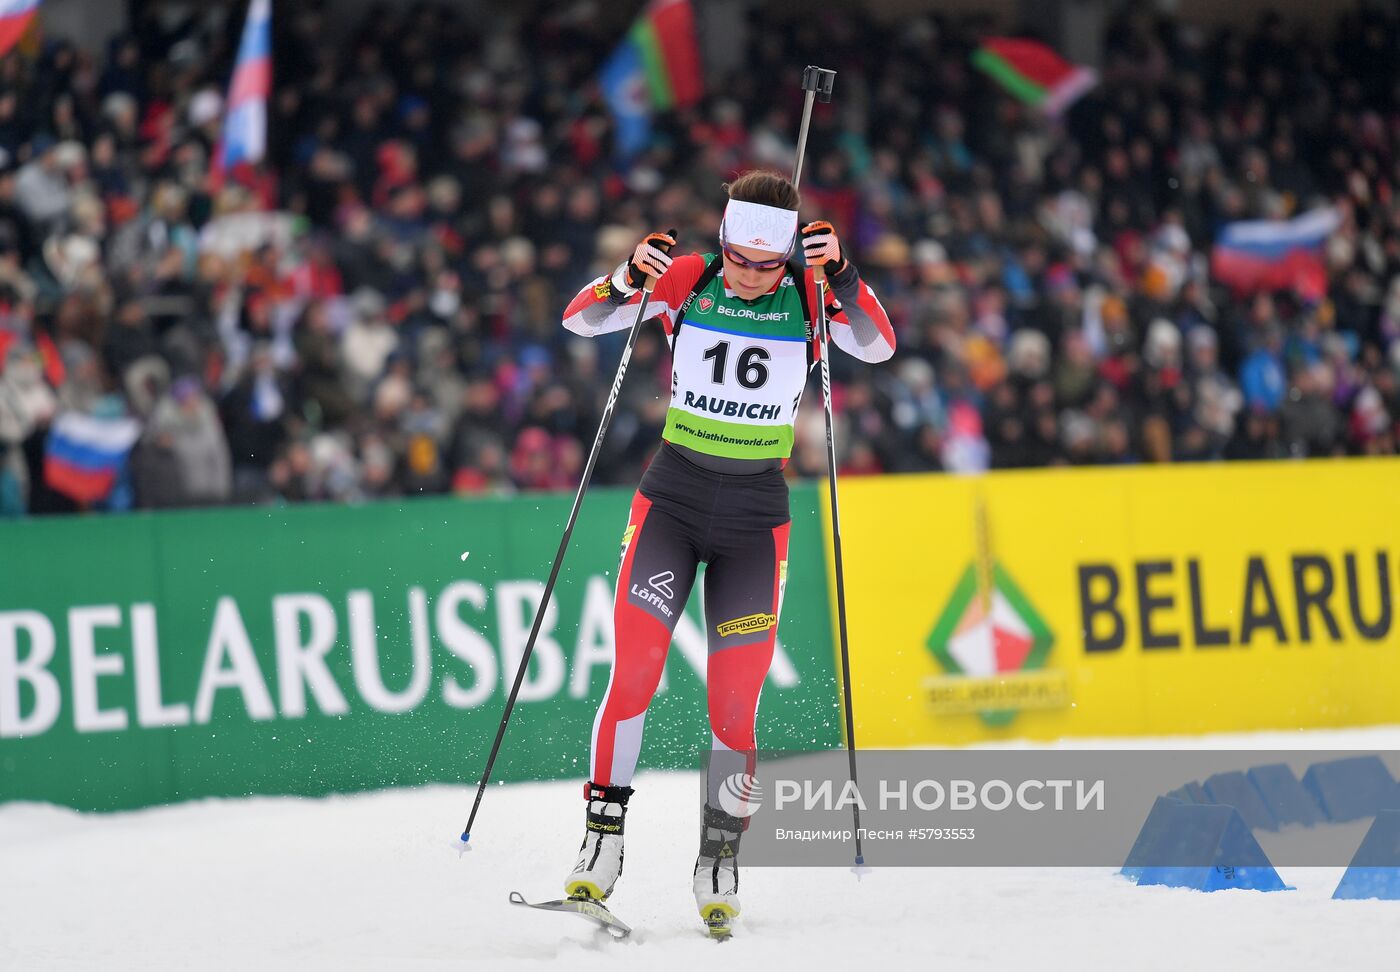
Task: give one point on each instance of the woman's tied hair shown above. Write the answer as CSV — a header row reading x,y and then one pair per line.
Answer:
x,y
765,188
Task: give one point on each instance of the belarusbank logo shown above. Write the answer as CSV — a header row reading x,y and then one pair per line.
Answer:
x,y
993,646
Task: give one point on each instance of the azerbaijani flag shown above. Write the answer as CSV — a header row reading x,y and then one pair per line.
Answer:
x,y
655,68
245,124
1034,73
15,18
1276,254
84,454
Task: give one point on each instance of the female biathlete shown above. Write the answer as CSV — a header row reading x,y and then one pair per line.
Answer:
x,y
740,328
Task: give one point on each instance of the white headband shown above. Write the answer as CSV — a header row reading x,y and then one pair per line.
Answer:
x,y
764,227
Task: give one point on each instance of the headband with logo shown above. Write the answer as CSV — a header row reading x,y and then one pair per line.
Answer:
x,y
763,227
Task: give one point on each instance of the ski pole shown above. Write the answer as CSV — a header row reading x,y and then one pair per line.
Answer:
x,y
647,288
818,82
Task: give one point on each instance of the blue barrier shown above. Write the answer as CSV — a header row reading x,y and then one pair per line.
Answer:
x,y
1204,847
1191,792
1155,823
1375,869
1234,789
1351,788
1285,797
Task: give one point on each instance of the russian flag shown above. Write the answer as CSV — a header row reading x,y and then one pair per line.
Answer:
x,y
84,454
245,124
1276,254
15,18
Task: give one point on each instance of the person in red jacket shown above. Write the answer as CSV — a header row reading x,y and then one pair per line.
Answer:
x,y
740,327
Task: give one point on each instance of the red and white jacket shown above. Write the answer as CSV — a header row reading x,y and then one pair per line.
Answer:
x,y
858,323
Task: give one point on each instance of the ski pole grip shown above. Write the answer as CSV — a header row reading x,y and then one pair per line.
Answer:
x,y
650,284
818,79
819,272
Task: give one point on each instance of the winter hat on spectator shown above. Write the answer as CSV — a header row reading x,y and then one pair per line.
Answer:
x,y
929,252
69,257
532,441
890,251
613,244
206,106
1076,429
1113,311
1159,280
1060,278
69,155
145,381
1201,336
89,213
1163,345
119,107
918,375
1369,417
1339,346
368,304
964,421
1029,355
185,388
445,194
984,361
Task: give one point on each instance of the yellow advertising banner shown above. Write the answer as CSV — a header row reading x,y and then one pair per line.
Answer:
x,y
1122,601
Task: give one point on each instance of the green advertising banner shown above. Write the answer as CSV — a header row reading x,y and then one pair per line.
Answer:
x,y
307,650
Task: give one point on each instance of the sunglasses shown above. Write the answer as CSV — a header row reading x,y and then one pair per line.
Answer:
x,y
752,264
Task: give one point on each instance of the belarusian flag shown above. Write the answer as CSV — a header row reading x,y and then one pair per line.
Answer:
x,y
655,68
1034,73
665,33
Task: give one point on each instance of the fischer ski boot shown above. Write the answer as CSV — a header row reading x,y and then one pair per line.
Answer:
x,y
717,871
600,856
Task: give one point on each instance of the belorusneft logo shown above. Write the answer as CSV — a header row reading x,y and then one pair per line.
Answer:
x,y
740,795
748,313
992,645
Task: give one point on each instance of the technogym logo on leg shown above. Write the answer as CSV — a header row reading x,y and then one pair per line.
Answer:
x,y
747,624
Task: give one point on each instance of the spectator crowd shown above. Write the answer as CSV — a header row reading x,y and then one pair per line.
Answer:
x,y
374,310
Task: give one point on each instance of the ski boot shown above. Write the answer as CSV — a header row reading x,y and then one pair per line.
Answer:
x,y
717,871
600,856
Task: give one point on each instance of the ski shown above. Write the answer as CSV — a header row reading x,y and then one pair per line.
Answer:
x,y
587,908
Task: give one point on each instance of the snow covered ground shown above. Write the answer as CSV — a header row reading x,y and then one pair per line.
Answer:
x,y
375,881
